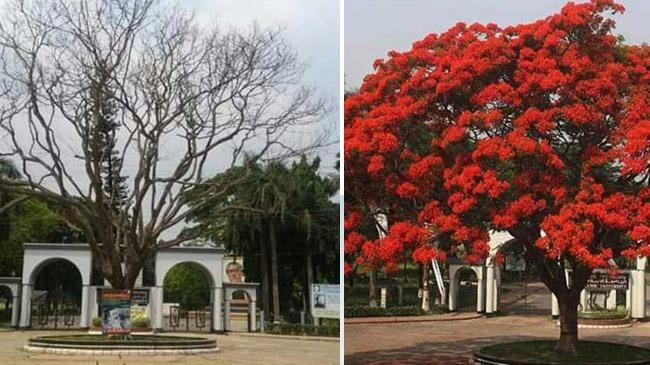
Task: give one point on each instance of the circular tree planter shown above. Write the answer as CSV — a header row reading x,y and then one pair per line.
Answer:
x,y
542,352
604,322
136,344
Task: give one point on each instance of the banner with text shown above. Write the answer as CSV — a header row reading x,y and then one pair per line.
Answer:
x,y
116,311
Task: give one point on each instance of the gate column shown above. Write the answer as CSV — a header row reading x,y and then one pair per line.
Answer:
x,y
490,290
252,315
25,306
83,322
15,310
157,307
638,289
217,317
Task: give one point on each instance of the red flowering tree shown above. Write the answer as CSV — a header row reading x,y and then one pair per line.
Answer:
x,y
541,130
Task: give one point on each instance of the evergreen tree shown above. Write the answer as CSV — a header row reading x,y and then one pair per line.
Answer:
x,y
102,111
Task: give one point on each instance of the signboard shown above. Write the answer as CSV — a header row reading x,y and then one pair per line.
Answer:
x,y
116,311
383,298
603,281
140,297
325,301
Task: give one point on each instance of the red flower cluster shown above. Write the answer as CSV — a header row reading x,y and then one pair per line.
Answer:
x,y
540,129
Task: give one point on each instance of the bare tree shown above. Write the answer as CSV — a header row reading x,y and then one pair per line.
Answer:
x,y
187,101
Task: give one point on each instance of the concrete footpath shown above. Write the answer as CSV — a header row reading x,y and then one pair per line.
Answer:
x,y
235,349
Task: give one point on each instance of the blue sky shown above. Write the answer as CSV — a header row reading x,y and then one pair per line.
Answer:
x,y
374,27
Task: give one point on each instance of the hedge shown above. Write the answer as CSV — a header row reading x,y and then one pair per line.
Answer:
x,y
304,330
367,311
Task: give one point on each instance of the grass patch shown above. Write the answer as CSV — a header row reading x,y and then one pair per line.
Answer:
x,y
297,329
612,314
134,340
542,352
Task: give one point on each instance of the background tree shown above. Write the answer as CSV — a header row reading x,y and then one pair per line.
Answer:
x,y
187,285
24,219
283,222
182,95
531,129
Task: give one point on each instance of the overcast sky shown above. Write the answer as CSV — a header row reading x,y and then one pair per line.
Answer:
x,y
311,27
375,27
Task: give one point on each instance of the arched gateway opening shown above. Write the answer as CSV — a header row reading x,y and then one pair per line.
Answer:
x,y
187,299
56,297
55,283
6,298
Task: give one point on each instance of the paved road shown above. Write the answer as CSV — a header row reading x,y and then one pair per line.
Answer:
x,y
434,343
453,342
236,349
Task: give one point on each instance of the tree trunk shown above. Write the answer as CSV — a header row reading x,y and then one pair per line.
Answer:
x,y
568,343
274,274
372,290
310,276
264,267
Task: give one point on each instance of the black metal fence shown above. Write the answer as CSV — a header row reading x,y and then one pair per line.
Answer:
x,y
183,320
55,315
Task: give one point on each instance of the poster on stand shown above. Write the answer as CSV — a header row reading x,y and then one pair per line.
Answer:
x,y
116,312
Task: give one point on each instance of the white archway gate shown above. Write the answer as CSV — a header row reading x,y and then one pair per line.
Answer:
x,y
455,268
13,285
36,256
210,259
488,275
250,289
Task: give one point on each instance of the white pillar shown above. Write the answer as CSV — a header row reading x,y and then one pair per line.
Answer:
x,y
490,286
217,317
83,321
638,293
497,289
157,307
555,306
628,296
93,310
610,303
453,291
226,316
584,299
15,310
480,295
251,314
25,306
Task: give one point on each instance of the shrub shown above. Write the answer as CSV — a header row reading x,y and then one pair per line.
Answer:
x,y
367,311
141,322
604,314
97,321
300,330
